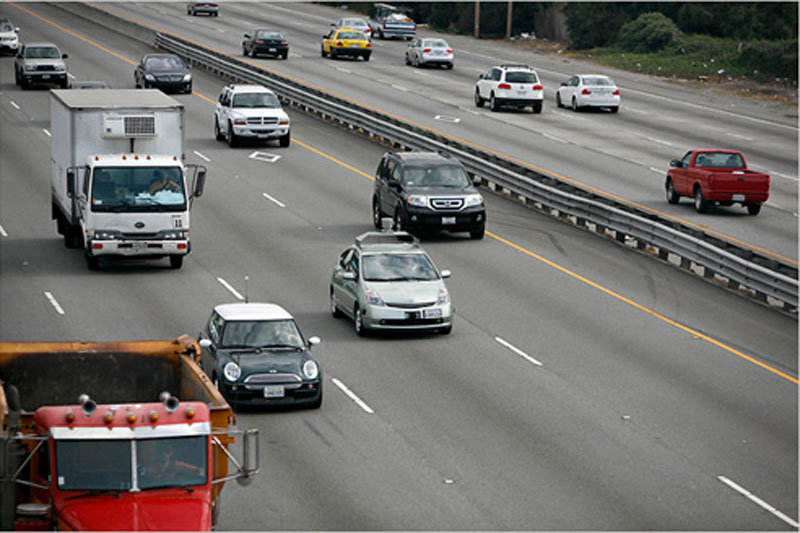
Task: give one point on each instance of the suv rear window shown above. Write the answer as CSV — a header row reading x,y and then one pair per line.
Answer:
x,y
521,77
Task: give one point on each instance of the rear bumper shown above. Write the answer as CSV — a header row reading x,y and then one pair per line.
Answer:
x,y
265,49
397,32
354,52
436,60
598,101
749,197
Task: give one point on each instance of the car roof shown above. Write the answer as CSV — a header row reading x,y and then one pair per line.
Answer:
x,y
248,88
252,311
381,242
40,43
426,157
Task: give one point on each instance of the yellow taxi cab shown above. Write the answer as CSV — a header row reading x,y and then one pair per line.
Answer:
x,y
346,42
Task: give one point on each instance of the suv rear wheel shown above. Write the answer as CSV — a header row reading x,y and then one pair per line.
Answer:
x,y
478,99
537,107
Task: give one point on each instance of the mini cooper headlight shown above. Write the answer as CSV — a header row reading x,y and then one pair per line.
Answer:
x,y
419,200
473,199
310,370
232,371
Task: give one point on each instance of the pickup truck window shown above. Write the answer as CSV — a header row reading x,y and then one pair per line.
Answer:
x,y
719,160
686,159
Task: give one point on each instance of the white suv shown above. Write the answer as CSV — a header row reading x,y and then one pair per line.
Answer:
x,y
9,41
250,112
510,85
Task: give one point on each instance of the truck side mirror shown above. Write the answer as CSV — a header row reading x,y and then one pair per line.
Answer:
x,y
70,182
200,183
250,457
675,163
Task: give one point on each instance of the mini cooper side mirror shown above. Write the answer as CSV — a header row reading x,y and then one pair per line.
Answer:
x,y
205,343
313,341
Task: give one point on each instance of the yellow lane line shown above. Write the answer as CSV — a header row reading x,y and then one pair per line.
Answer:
x,y
496,237
464,141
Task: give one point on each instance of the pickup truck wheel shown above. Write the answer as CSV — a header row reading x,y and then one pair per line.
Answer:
x,y
754,209
175,261
284,141
700,203
672,196
232,139
478,99
217,133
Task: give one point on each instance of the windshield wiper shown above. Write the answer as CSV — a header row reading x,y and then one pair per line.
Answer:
x,y
278,345
95,492
187,489
120,205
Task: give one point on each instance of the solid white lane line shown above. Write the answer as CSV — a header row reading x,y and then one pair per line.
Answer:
x,y
54,303
659,141
755,499
399,88
231,289
518,351
13,103
47,132
656,170
3,232
340,69
201,156
273,200
353,396
739,136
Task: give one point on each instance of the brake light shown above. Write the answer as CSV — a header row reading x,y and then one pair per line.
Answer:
x,y
711,179
504,86
369,45
586,91
384,25
284,43
259,42
426,51
449,50
339,43
538,87
616,92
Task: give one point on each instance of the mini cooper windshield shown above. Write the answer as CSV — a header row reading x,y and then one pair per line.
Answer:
x,y
398,267
262,334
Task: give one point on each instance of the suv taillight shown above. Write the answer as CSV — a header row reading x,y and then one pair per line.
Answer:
x,y
586,91
616,92
538,87
504,86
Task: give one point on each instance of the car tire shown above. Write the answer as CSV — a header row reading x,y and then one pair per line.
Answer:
x,y
537,107
615,109
477,235
574,104
284,141
366,57
72,236
92,261
399,221
700,203
217,133
253,52
335,311
446,330
16,77
377,214
316,404
672,196
285,56
449,66
233,141
478,99
754,209
244,50
493,105
408,61
358,322
188,89
559,103
415,62
175,262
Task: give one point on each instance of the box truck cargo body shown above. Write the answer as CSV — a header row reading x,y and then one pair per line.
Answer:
x,y
119,183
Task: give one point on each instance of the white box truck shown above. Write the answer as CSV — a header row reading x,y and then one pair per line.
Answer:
x,y
119,183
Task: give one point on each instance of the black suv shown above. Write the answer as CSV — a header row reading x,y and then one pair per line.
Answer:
x,y
427,191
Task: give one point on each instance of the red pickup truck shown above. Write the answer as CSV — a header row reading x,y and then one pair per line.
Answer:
x,y
716,176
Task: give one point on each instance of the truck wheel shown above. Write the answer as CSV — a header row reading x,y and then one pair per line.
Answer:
x,y
377,214
217,133
537,107
754,209
284,141
72,236
478,99
175,261
672,196
700,203
232,139
93,262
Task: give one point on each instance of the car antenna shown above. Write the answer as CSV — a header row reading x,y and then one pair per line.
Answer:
x,y
246,279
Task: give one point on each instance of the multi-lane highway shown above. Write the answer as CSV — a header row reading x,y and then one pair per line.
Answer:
x,y
584,386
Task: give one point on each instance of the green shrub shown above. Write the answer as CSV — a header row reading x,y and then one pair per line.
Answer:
x,y
650,32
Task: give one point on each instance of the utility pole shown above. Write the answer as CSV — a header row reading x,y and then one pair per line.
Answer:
x,y
508,20
477,19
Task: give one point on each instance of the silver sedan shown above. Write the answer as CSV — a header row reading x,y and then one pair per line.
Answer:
x,y
588,90
429,52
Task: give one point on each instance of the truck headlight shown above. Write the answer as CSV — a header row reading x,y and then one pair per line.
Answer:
x,y
187,78
59,68
473,199
232,371
30,68
176,235
104,235
373,298
444,297
419,200
310,370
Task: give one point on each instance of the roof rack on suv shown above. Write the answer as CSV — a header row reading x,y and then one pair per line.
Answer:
x,y
390,237
514,65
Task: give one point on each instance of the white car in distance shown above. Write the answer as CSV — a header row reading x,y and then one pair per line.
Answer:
x,y
250,112
356,24
437,52
588,90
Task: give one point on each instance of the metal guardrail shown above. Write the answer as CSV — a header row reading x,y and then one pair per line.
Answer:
x,y
738,267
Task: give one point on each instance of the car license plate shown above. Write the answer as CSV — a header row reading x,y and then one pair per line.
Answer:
x,y
738,197
432,313
274,391
353,45
272,50
448,220
520,93
139,246
46,77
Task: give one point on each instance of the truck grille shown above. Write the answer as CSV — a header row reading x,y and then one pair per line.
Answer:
x,y
139,236
449,204
266,379
262,121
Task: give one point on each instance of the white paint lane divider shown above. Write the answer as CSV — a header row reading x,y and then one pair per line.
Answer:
x,y
54,303
46,132
554,138
264,156
758,501
273,200
447,118
201,156
656,170
231,289
13,104
3,231
659,141
518,351
399,87
70,76
353,396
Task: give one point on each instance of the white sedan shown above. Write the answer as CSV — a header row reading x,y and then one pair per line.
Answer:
x,y
588,90
429,52
354,23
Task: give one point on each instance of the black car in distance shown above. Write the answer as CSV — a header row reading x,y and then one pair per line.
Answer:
x,y
167,72
265,42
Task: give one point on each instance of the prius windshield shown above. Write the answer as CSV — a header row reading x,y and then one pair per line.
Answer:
x,y
138,189
398,267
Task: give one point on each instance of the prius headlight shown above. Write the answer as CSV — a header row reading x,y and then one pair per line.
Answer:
x,y
310,370
444,297
232,371
473,199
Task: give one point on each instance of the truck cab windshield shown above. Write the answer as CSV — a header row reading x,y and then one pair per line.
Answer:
x,y
93,464
138,189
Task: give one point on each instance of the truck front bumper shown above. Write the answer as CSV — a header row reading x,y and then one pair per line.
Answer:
x,y
260,132
133,248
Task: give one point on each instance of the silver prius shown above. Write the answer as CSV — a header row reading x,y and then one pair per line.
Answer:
x,y
386,281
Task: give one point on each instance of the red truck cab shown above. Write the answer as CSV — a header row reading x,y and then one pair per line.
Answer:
x,y
716,176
